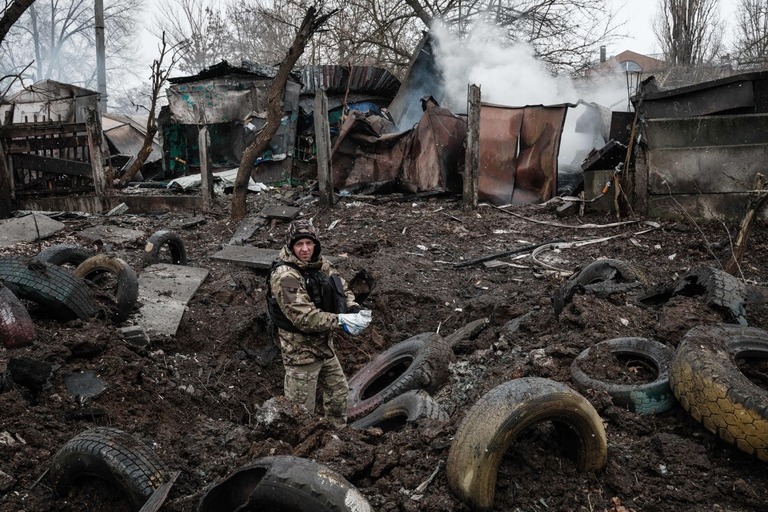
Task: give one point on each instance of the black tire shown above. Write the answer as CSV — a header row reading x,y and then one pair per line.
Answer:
x,y
604,277
127,291
58,289
284,484
724,293
16,326
156,242
647,398
112,455
420,362
710,386
64,254
409,407
495,421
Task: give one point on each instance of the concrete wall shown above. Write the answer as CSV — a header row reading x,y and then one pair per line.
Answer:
x,y
700,166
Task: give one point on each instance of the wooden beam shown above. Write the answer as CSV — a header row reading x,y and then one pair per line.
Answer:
x,y
51,165
323,145
95,140
206,173
21,130
472,157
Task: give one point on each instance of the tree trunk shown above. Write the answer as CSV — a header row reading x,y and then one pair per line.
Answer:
x,y
6,199
312,21
141,157
11,15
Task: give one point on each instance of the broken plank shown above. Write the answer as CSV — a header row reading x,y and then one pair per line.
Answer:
x,y
197,221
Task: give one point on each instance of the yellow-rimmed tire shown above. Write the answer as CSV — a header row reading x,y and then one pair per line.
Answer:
x,y
496,420
709,385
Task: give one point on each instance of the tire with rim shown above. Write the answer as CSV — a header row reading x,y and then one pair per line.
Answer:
x,y
284,483
646,398
495,421
16,326
710,386
419,362
160,239
127,292
49,285
64,254
409,407
112,455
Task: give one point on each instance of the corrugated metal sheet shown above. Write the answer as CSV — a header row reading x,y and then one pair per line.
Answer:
x,y
358,79
518,153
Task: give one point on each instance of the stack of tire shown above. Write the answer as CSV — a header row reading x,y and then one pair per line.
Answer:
x,y
394,388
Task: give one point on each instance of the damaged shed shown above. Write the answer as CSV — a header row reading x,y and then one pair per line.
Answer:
x,y
52,141
232,102
701,146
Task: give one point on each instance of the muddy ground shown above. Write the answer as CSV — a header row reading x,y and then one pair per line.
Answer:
x,y
198,397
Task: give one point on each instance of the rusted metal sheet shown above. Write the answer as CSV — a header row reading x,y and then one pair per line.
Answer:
x,y
361,155
429,157
436,156
518,153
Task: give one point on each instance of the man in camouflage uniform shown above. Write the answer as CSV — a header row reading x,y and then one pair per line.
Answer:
x,y
308,356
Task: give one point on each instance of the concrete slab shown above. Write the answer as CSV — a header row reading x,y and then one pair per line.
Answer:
x,y
246,229
111,234
252,257
164,291
280,212
28,229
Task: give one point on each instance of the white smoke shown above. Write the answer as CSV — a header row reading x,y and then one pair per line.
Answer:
x,y
509,74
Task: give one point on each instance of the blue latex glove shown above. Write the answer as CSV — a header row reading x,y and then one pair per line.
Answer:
x,y
354,323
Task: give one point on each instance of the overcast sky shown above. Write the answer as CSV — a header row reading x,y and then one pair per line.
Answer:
x,y
640,37
640,34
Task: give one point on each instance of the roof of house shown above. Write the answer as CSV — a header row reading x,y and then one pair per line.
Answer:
x,y
628,61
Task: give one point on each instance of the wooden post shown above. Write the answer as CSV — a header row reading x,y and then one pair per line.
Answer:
x,y
472,157
206,173
6,187
756,202
323,145
95,139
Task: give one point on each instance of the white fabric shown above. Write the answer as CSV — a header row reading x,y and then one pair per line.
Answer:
x,y
355,323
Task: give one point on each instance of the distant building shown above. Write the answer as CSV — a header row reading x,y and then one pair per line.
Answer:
x,y
626,62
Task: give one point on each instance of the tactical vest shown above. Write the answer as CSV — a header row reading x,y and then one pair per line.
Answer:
x,y
326,292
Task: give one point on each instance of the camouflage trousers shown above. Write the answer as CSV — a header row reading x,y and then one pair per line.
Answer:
x,y
302,382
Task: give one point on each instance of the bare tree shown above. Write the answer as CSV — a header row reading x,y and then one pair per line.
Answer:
x,y
201,29
59,36
751,46
159,78
690,32
565,34
312,21
11,13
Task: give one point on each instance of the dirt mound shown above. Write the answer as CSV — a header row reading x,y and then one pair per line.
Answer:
x,y
208,399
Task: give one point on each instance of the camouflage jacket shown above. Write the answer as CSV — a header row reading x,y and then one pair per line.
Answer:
x,y
319,327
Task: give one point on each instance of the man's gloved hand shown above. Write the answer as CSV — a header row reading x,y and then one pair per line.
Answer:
x,y
354,323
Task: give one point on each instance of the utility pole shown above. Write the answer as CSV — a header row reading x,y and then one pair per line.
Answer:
x,y
101,65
